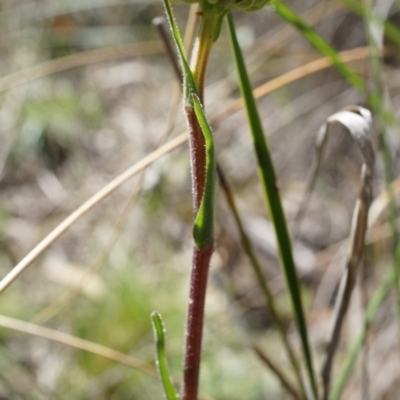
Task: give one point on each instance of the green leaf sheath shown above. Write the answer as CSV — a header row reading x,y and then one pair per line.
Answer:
x,y
158,328
267,174
189,85
203,230
204,221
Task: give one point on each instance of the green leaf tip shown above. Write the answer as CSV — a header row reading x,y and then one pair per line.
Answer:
x,y
159,330
203,230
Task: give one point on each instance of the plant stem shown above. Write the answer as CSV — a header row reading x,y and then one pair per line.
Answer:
x,y
194,325
201,257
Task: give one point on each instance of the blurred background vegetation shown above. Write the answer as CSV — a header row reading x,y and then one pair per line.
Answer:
x,y
68,127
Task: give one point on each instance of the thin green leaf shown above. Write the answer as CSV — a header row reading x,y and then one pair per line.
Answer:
x,y
267,174
203,230
327,50
319,43
158,328
189,85
372,309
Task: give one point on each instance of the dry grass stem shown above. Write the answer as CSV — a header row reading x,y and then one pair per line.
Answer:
x,y
365,356
271,365
159,23
78,60
77,343
261,278
310,68
56,306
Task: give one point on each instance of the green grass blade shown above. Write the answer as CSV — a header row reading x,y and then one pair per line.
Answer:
x,y
319,43
372,309
267,174
203,230
327,50
158,328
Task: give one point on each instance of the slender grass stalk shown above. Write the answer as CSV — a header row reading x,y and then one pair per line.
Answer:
x,y
267,175
270,302
273,367
373,307
158,328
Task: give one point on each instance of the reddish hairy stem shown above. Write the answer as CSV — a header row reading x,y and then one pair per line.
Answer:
x,y
200,266
197,157
194,325
201,258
